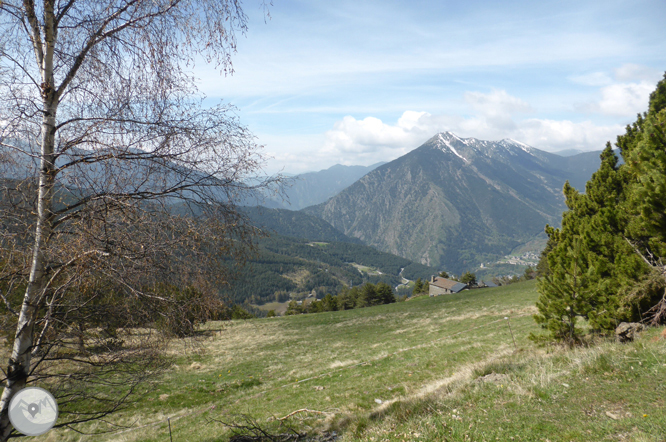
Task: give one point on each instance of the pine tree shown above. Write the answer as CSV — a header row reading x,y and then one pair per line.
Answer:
x,y
468,278
605,263
330,303
367,296
645,145
567,294
293,309
418,286
579,276
385,293
542,267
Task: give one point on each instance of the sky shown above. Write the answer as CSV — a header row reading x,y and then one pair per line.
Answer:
x,y
321,83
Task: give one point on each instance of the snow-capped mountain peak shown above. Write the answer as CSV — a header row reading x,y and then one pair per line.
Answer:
x,y
444,143
468,149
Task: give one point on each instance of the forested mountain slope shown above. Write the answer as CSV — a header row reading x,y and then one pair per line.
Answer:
x,y
454,202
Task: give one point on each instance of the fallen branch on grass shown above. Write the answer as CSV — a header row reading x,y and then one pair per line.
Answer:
x,y
302,410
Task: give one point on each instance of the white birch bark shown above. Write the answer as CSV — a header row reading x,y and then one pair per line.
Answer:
x,y
19,362
127,134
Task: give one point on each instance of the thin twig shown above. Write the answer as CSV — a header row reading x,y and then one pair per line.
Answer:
x,y
302,410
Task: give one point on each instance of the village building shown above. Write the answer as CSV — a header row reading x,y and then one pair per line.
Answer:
x,y
443,286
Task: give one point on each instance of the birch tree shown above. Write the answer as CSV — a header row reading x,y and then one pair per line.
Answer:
x,y
117,180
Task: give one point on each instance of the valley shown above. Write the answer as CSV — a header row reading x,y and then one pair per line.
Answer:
x,y
332,221
454,203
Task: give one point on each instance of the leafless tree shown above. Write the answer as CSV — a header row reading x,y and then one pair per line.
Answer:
x,y
119,185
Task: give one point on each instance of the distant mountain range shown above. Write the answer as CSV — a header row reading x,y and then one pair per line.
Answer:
x,y
312,188
456,202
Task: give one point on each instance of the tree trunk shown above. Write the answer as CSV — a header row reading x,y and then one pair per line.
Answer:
x,y
19,367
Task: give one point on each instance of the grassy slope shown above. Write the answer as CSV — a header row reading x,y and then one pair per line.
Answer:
x,y
436,391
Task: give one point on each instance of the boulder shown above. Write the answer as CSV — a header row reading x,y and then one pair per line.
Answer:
x,y
627,331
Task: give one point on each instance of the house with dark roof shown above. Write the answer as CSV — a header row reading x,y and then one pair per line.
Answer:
x,y
443,286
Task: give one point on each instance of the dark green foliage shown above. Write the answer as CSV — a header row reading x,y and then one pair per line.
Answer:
x,y
271,314
443,274
385,294
367,296
357,297
330,303
314,306
605,264
418,286
327,265
295,224
542,267
647,163
347,298
568,293
294,309
468,278
238,312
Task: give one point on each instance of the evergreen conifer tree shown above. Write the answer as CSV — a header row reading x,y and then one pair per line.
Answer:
x,y
385,293
605,264
330,303
468,278
566,294
418,286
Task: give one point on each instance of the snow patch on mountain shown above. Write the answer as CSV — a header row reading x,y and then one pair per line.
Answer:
x,y
451,148
523,146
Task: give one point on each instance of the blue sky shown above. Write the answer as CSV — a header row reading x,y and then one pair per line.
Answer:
x,y
357,82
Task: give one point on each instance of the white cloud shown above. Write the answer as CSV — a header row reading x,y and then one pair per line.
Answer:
x,y
497,108
630,71
372,135
553,135
491,116
625,99
370,140
626,95
377,141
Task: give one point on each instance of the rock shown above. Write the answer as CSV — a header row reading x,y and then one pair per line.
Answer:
x,y
613,416
627,331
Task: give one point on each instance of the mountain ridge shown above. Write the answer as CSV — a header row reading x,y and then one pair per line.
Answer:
x,y
455,202
311,188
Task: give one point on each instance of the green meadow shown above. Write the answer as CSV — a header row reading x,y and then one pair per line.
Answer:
x,y
449,368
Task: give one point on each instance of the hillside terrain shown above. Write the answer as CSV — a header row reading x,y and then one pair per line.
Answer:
x,y
454,203
294,223
287,267
441,368
307,189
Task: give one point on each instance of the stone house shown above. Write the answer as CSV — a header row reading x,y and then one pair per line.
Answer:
x,y
443,286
